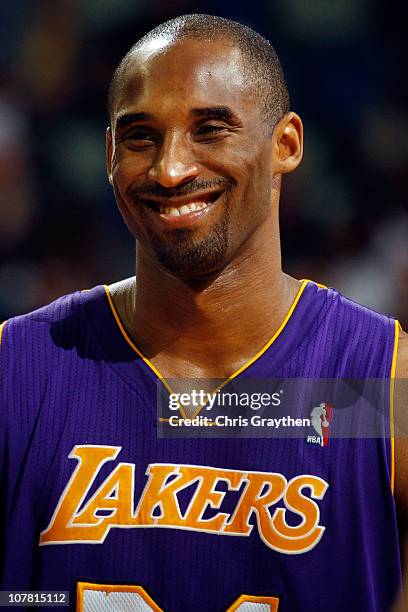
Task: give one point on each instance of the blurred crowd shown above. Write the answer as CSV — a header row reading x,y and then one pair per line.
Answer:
x,y
344,213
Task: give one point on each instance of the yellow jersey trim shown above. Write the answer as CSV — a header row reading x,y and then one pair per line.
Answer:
x,y
304,284
1,330
314,282
130,342
392,386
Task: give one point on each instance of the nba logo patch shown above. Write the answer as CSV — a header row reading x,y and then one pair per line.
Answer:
x,y
320,418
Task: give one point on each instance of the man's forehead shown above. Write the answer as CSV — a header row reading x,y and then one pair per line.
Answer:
x,y
185,66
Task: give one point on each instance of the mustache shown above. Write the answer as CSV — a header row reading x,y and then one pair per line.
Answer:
x,y
196,186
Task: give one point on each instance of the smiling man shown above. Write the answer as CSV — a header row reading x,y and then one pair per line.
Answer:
x,y
196,160
98,505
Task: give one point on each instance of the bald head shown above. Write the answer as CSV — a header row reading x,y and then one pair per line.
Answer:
x,y
260,65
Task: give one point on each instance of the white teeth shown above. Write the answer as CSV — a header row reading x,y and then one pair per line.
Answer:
x,y
183,210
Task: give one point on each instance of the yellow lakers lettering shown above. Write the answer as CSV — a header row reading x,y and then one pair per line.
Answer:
x,y
264,500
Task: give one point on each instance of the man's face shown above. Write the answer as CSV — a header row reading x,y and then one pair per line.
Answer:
x,y
189,159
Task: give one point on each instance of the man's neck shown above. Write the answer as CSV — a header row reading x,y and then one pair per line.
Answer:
x,y
205,328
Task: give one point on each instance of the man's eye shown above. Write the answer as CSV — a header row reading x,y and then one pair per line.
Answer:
x,y
209,130
139,137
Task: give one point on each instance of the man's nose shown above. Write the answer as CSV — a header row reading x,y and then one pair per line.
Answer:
x,y
174,163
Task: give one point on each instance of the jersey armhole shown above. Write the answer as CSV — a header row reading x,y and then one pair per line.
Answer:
x,y
392,386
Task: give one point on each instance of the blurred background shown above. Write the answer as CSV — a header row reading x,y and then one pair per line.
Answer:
x,y
344,213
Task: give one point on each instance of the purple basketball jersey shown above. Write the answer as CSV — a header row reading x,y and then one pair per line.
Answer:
x,y
94,503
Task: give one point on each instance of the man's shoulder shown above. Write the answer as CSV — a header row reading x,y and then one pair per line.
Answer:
x,y
65,311
348,339
350,308
350,321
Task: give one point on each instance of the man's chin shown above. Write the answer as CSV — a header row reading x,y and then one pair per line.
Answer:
x,y
187,258
191,264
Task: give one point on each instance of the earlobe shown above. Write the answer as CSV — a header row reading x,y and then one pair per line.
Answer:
x,y
109,149
288,143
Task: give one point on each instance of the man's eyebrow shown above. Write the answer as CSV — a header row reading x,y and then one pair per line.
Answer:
x,y
216,112
127,118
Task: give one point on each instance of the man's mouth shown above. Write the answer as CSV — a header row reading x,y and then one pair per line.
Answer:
x,y
183,210
182,206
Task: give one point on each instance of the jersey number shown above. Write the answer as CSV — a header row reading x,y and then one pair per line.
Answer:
x,y
124,598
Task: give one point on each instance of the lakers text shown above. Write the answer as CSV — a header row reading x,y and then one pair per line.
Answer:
x,y
267,496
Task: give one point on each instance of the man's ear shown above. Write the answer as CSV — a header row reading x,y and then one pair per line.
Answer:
x,y
287,141
109,153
